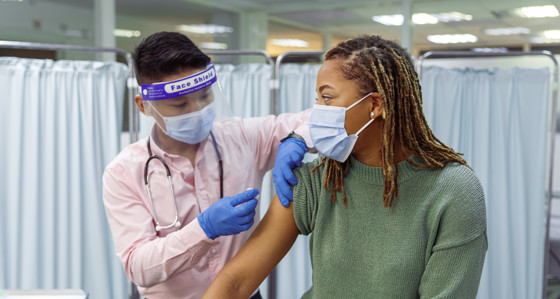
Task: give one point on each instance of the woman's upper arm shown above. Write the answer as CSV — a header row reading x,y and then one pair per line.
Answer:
x,y
266,247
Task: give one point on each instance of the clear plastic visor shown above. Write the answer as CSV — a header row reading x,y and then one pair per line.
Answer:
x,y
186,95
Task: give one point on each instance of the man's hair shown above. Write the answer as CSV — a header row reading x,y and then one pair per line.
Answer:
x,y
383,66
166,53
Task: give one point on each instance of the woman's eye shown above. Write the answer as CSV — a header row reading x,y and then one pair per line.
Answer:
x,y
323,98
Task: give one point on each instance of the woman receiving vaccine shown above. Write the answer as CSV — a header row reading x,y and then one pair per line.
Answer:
x,y
392,211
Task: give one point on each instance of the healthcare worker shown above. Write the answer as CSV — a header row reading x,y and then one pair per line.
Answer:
x,y
182,201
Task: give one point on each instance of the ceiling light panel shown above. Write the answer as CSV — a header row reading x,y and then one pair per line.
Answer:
x,y
452,38
552,34
507,31
205,28
544,11
126,33
389,20
422,18
290,43
454,16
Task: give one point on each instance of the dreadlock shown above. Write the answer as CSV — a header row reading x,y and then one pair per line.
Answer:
x,y
383,66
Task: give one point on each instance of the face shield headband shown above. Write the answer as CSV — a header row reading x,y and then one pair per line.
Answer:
x,y
180,87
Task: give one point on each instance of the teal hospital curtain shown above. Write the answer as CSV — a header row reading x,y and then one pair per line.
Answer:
x,y
498,118
60,126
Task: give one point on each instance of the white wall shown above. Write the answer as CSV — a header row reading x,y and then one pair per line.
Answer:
x,y
16,24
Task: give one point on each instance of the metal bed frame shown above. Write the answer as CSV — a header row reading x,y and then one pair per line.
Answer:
x,y
553,121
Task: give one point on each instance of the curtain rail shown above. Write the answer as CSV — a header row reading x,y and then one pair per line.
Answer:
x,y
555,84
279,61
248,52
131,82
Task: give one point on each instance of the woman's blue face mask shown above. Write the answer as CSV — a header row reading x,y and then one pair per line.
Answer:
x,y
329,136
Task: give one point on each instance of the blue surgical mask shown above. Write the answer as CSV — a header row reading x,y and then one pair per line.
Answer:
x,y
191,127
326,127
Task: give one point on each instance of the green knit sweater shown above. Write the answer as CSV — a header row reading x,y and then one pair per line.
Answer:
x,y
430,244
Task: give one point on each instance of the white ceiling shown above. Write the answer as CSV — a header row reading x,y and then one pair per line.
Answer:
x,y
308,19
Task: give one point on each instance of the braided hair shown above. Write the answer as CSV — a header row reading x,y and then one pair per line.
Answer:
x,y
383,66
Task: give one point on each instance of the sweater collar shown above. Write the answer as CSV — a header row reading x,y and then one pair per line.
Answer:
x,y
374,175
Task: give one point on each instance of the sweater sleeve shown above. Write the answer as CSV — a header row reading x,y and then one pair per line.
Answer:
x,y
306,196
454,264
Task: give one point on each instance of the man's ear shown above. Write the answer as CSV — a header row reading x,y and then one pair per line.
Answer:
x,y
378,106
140,104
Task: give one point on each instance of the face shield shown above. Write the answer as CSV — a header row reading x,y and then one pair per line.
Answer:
x,y
185,109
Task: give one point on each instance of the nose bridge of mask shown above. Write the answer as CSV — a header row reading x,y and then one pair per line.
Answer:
x,y
328,115
187,115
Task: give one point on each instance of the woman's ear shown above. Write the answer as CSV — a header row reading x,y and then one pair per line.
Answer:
x,y
140,104
377,107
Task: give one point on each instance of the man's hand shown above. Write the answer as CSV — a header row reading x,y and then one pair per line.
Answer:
x,y
229,215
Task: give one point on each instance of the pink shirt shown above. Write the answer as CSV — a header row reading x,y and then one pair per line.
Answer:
x,y
182,262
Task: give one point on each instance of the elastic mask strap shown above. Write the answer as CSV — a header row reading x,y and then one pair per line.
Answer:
x,y
358,101
365,126
155,120
154,108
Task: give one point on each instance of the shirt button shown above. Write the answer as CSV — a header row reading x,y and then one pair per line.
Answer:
x,y
213,250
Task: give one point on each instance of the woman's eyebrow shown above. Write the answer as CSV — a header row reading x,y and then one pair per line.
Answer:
x,y
324,86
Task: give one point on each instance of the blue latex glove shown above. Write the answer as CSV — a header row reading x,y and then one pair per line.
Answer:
x,y
290,154
229,215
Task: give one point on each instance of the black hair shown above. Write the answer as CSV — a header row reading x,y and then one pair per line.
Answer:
x,y
166,53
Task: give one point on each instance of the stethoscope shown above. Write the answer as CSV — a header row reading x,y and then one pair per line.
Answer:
x,y
176,222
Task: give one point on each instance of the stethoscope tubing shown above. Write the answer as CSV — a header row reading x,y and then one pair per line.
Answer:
x,y
176,222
